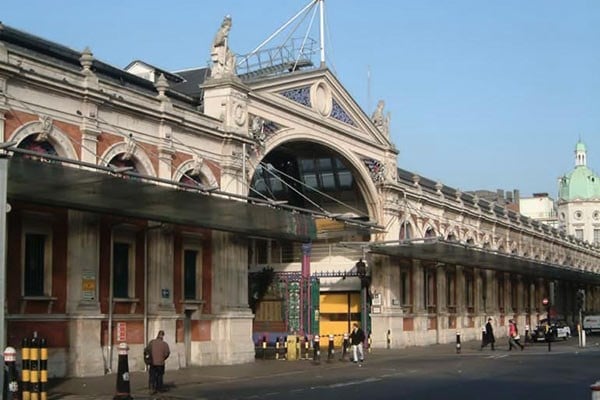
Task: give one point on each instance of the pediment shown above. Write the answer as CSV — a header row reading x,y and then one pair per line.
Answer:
x,y
317,95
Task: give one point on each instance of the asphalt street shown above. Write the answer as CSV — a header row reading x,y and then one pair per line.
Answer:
x,y
432,372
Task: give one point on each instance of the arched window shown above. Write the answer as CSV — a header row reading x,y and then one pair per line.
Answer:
x,y
191,178
43,147
430,232
406,231
119,162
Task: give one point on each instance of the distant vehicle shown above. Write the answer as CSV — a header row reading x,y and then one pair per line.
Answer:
x,y
591,323
557,329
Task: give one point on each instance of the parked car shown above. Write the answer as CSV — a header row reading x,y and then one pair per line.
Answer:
x,y
591,323
556,329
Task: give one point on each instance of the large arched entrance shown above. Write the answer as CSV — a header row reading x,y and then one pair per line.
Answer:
x,y
313,177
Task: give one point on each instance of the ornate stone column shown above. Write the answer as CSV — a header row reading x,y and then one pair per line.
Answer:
x,y
85,356
441,305
478,291
159,248
418,287
491,299
232,318
508,306
461,291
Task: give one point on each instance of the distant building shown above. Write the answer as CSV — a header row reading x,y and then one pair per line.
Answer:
x,y
541,208
579,199
508,199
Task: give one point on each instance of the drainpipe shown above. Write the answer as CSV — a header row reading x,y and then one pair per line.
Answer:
x,y
145,291
110,300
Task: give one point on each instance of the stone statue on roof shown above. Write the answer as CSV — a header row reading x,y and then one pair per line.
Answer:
x,y
223,59
381,121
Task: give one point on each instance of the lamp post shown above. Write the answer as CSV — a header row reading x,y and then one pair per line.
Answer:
x,y
361,271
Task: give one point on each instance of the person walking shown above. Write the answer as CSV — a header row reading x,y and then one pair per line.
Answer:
x,y
357,337
159,352
513,336
489,335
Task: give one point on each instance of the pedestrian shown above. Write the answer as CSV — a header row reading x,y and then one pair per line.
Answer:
x,y
488,337
513,336
159,352
357,337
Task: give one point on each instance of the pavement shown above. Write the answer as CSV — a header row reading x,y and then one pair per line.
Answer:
x,y
177,381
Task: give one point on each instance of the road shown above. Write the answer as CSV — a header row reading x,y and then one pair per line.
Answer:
x,y
564,373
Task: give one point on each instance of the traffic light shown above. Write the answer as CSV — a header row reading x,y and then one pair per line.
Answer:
x,y
581,299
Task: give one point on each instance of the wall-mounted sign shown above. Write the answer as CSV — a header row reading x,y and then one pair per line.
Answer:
x,y
376,309
376,301
88,286
121,332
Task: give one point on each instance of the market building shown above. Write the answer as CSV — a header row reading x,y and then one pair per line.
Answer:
x,y
142,199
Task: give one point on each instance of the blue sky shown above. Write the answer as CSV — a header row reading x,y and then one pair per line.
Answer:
x,y
483,94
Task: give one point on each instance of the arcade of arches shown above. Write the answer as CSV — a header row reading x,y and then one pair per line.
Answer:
x,y
142,205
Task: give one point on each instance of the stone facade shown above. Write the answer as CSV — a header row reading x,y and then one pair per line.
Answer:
x,y
69,104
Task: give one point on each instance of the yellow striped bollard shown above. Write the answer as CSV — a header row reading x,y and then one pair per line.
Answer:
x,y
26,369
43,369
34,378
277,348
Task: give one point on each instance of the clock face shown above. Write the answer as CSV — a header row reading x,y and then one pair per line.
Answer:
x,y
578,214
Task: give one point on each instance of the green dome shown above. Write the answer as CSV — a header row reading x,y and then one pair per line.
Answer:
x,y
581,183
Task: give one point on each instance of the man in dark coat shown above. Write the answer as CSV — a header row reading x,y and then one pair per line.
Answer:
x,y
489,335
159,351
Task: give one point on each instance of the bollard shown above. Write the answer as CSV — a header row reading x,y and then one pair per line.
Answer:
x,y
527,337
26,369
11,377
330,348
457,342
264,347
277,348
123,385
345,347
34,375
297,347
43,369
369,343
595,388
548,337
306,348
388,338
316,349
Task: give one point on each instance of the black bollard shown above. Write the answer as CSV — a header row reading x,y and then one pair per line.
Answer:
x,y
123,385
344,347
330,348
264,347
457,342
316,349
11,377
389,339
